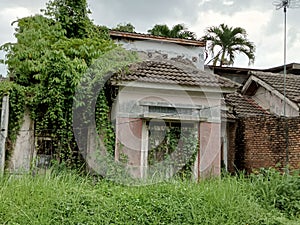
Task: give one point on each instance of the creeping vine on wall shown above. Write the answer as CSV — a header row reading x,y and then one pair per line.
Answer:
x,y
181,142
47,63
17,101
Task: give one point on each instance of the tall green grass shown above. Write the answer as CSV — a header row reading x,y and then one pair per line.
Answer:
x,y
276,190
68,198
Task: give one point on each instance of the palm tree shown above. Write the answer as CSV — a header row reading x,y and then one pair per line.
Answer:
x,y
229,41
177,31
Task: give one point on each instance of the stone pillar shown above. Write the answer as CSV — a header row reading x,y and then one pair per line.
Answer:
x,y
3,131
23,152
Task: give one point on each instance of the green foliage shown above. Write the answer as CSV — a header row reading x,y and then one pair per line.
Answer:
x,y
17,99
177,31
228,41
67,198
25,58
47,63
94,91
179,145
275,190
72,15
125,27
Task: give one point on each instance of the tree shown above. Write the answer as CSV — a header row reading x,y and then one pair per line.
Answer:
x,y
48,61
125,27
177,31
73,16
50,65
228,41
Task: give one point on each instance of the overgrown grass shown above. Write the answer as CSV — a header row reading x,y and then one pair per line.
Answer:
x,y
68,198
279,191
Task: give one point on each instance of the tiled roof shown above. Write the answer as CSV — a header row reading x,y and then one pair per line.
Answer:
x,y
227,115
168,73
277,82
243,105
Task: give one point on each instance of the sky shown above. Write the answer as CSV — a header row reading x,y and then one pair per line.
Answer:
x,y
263,23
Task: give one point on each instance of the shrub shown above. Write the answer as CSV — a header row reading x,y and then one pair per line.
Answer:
x,y
279,191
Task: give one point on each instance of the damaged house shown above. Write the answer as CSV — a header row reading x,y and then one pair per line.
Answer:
x,y
166,94
167,112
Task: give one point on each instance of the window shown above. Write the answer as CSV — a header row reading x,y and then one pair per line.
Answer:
x,y
170,110
45,150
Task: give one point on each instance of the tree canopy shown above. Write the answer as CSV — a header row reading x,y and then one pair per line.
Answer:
x,y
125,27
225,42
52,53
177,31
72,15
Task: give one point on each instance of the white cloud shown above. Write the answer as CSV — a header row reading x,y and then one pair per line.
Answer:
x,y
262,22
253,21
7,16
228,2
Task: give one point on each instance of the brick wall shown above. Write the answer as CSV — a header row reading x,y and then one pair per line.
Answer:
x,y
261,142
231,133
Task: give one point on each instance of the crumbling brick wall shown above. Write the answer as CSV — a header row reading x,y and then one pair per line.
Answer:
x,y
261,141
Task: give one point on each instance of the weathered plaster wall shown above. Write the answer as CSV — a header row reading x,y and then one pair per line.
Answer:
x,y
210,155
169,50
130,101
208,162
273,103
23,152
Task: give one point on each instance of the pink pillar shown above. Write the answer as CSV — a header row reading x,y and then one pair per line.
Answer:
x,y
129,143
210,150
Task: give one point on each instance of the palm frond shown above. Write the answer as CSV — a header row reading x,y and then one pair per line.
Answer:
x,y
231,41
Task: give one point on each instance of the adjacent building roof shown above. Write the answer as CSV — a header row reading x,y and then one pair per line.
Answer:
x,y
243,105
275,81
236,74
293,68
167,73
137,36
241,75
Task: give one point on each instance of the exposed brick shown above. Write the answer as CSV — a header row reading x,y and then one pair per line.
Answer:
x,y
261,141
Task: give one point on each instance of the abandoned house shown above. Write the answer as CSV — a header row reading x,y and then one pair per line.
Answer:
x,y
166,94
168,110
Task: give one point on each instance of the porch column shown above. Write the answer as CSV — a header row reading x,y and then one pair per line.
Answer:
x,y
208,161
144,150
4,130
129,143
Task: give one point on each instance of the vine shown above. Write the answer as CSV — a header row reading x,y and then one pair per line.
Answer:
x,y
17,101
47,64
181,142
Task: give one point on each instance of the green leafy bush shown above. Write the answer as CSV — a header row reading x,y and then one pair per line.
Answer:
x,y
280,191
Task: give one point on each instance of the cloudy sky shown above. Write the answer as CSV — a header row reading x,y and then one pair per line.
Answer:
x,y
262,22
